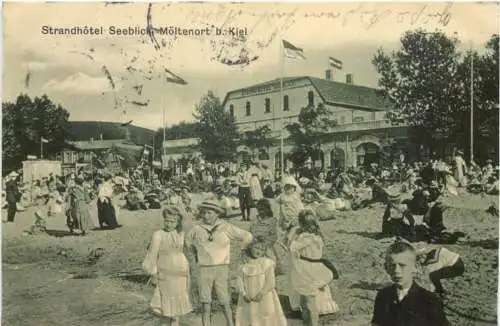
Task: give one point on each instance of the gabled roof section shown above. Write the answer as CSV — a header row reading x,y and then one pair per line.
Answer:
x,y
337,93
87,145
357,96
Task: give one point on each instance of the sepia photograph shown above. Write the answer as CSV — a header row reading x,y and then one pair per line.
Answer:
x,y
250,163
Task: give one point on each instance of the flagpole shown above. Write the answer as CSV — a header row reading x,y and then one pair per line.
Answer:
x,y
471,104
282,58
41,148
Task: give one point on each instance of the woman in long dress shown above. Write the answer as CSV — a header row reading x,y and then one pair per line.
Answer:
x,y
106,212
254,174
79,220
166,263
310,276
460,169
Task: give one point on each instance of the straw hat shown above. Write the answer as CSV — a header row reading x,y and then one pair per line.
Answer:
x,y
212,205
13,174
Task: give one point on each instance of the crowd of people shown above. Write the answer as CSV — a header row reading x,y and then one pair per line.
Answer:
x,y
295,229
73,196
287,240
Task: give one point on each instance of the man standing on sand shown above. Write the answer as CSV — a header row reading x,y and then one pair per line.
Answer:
x,y
12,196
210,245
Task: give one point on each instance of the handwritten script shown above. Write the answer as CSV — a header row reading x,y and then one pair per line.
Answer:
x,y
266,26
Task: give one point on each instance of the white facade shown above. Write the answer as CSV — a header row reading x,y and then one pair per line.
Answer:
x,y
250,111
361,131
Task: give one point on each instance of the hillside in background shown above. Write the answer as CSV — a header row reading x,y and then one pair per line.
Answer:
x,y
85,130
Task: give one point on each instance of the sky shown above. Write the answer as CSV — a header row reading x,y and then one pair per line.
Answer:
x,y
109,77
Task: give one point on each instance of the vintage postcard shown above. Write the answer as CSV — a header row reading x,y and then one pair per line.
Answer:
x,y
250,164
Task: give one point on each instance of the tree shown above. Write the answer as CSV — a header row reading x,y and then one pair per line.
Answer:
x,y
216,129
307,133
485,104
428,82
257,139
25,122
422,81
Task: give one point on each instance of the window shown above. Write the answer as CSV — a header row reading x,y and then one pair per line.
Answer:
x,y
373,115
310,98
248,109
268,105
342,119
231,110
286,106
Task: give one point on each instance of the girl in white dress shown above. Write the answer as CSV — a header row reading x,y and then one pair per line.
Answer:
x,y
169,268
258,303
311,275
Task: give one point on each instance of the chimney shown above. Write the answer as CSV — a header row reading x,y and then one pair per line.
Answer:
x,y
329,74
349,79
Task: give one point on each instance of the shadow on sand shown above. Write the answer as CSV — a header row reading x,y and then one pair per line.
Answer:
x,y
370,235
485,244
60,233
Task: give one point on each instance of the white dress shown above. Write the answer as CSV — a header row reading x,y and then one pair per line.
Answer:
x,y
254,175
306,278
166,260
254,275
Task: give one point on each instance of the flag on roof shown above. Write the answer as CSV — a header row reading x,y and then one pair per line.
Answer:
x,y
335,63
43,140
291,51
173,78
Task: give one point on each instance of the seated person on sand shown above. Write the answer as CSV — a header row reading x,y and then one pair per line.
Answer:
x,y
134,200
492,184
379,194
440,263
268,190
405,303
401,224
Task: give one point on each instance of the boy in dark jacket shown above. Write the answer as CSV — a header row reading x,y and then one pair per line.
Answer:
x,y
405,303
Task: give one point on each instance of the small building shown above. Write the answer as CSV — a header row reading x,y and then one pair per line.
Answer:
x,y
112,154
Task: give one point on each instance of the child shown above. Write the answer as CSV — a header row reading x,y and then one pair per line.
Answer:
x,y
440,263
266,225
311,274
167,264
290,204
405,302
258,302
210,244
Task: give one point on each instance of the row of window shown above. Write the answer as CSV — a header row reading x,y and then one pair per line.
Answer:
x,y
267,104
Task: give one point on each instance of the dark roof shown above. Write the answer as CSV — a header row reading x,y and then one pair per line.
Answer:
x,y
98,144
334,92
337,93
